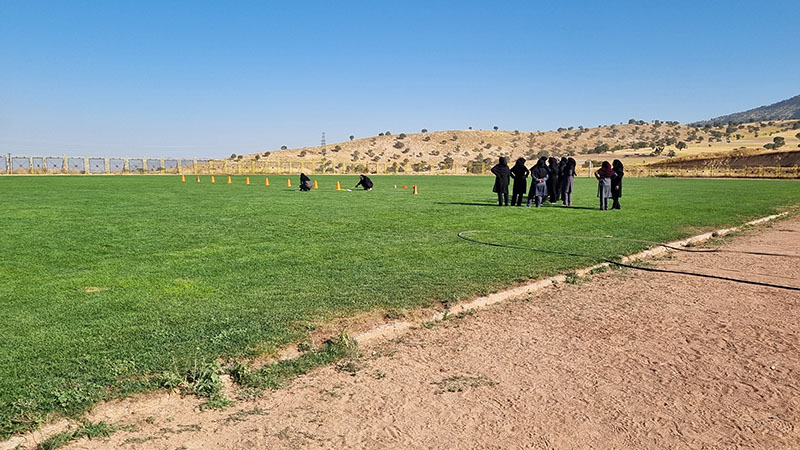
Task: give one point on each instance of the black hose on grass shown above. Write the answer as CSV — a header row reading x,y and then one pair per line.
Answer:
x,y
631,266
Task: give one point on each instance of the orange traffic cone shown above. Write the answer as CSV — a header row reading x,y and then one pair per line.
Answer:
x,y
212,179
315,185
266,181
247,180
288,182
338,186
415,189
229,179
183,178
198,178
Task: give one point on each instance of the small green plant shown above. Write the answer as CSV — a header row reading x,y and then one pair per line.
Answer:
x,y
87,429
573,278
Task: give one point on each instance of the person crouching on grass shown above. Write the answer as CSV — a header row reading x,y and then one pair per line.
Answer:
x,y
305,183
501,178
604,176
365,182
539,175
520,175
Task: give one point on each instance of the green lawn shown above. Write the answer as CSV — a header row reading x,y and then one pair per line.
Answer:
x,y
104,279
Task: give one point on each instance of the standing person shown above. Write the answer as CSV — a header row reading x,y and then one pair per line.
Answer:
x,y
305,183
568,180
365,182
520,175
501,178
616,183
554,182
562,170
539,175
604,176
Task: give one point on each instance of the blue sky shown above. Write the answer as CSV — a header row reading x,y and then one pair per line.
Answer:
x,y
206,79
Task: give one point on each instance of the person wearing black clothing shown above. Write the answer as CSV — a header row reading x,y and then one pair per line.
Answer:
x,y
554,182
365,182
501,178
568,178
520,175
305,183
616,183
562,170
539,175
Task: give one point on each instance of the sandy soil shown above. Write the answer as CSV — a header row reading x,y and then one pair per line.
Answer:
x,y
625,360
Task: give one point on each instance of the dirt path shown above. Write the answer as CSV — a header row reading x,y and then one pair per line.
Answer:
x,y
626,360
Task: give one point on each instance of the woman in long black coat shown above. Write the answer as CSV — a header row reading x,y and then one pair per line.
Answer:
x,y
501,178
562,170
539,175
520,175
616,183
568,178
554,182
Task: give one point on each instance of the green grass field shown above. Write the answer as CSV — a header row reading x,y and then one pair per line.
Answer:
x,y
106,279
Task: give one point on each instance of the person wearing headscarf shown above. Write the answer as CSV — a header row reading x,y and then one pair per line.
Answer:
x,y
568,179
364,182
554,181
539,175
562,178
604,176
520,175
305,182
616,183
501,178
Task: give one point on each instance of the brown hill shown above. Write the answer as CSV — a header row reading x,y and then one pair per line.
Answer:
x,y
643,142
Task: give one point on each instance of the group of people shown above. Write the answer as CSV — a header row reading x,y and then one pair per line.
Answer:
x,y
306,184
554,179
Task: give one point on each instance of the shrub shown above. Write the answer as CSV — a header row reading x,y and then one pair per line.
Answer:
x,y
352,137
283,147
233,155
398,144
424,130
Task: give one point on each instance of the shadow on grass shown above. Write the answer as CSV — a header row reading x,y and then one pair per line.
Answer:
x,y
522,206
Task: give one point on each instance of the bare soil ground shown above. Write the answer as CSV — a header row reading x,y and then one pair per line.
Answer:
x,y
627,359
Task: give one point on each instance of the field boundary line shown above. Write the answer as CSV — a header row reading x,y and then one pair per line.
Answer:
x,y
393,329
396,328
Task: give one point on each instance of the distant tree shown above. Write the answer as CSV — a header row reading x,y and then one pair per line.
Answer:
x,y
681,145
778,141
258,157
283,147
496,128
424,130
769,146
797,135
401,136
240,156
671,153
380,134
352,137
266,154
632,122
388,133
470,128
796,125
233,155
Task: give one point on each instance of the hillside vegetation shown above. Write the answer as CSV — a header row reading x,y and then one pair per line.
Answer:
x,y
641,142
783,110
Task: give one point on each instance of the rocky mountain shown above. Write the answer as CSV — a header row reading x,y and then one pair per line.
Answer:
x,y
783,110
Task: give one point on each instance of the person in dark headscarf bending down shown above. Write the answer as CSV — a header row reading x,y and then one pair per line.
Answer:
x,y
364,182
568,179
604,176
616,183
539,175
305,183
554,182
501,178
520,175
